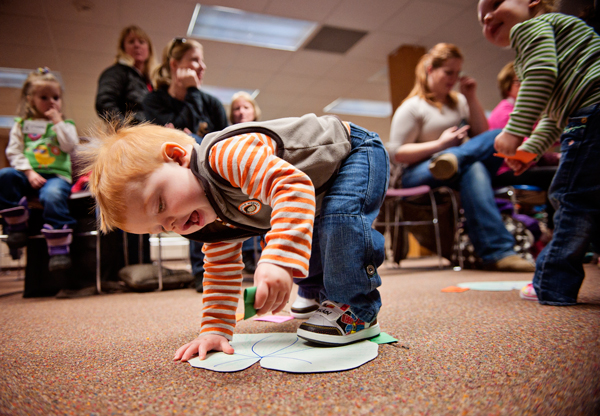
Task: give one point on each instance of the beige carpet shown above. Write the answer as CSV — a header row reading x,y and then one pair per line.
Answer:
x,y
468,353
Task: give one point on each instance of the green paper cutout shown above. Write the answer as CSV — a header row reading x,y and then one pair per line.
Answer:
x,y
249,295
383,338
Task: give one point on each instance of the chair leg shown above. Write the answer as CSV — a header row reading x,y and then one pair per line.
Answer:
x,y
436,226
160,275
98,251
459,254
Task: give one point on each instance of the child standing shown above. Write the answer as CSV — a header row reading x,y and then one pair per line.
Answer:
x,y
313,185
558,64
38,151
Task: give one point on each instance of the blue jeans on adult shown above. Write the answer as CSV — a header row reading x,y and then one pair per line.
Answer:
x,y
346,250
476,166
54,196
575,194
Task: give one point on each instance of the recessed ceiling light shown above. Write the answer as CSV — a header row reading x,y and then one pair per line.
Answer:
x,y
224,94
238,26
15,77
366,108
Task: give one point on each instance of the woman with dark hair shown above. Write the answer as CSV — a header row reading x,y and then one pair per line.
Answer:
x,y
427,135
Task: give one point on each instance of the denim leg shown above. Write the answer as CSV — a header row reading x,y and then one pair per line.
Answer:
x,y
54,196
196,257
477,164
575,192
14,186
350,248
312,286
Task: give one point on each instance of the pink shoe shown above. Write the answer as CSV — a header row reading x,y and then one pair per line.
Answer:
x,y
528,293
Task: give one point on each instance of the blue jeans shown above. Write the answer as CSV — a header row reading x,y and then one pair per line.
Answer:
x,y
476,166
54,196
346,250
575,193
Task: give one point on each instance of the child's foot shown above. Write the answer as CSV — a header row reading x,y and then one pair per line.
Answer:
x,y
335,324
304,308
59,262
443,166
528,293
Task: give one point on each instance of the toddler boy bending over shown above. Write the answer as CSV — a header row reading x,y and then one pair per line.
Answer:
x,y
313,184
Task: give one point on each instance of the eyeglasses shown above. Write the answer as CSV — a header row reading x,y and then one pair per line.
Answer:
x,y
176,42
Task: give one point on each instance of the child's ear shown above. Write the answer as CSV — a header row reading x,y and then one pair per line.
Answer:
x,y
174,152
534,3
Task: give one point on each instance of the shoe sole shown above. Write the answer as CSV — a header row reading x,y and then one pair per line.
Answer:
x,y
527,297
442,169
305,315
324,339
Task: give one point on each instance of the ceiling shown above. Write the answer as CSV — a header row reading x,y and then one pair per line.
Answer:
x,y
78,38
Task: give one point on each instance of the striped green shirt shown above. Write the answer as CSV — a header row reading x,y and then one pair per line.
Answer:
x,y
558,63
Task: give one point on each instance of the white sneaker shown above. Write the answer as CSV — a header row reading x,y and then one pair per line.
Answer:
x,y
303,308
528,292
335,324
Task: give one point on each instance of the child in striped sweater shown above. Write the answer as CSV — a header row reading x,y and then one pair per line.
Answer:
x,y
558,64
313,185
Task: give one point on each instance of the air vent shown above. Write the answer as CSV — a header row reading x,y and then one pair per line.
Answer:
x,y
334,39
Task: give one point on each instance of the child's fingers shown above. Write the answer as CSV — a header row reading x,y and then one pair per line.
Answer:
x,y
226,347
261,296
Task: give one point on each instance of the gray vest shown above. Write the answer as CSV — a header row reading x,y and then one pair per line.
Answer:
x,y
315,145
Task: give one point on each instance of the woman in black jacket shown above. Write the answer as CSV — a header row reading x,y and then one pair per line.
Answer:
x,y
123,86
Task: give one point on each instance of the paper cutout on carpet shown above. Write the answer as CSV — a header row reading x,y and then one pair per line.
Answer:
x,y
496,286
454,289
286,352
383,338
274,318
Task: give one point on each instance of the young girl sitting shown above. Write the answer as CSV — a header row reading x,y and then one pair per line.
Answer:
x,y
38,152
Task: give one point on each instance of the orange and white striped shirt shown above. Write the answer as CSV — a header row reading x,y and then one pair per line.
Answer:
x,y
249,161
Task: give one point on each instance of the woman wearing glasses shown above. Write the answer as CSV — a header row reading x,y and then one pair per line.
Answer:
x,y
179,102
123,86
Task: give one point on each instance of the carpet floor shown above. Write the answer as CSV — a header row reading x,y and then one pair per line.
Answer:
x,y
469,353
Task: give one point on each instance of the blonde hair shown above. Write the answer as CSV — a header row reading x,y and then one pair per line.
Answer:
x,y
435,58
505,78
549,6
118,156
243,95
34,79
176,49
124,56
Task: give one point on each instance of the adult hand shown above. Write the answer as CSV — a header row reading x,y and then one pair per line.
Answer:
x,y
201,346
187,78
54,116
273,288
35,179
468,87
453,136
507,143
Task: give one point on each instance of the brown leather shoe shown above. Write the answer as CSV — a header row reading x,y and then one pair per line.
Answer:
x,y
443,166
512,263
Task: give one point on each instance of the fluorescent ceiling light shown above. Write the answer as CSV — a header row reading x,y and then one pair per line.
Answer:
x,y
6,122
366,108
237,26
15,77
224,94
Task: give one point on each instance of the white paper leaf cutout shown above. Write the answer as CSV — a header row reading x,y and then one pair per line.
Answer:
x,y
287,352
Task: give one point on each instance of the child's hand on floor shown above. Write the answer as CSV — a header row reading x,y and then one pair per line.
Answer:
x,y
273,288
507,143
202,345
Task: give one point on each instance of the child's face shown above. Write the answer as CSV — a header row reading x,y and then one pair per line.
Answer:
x,y
45,96
499,16
172,199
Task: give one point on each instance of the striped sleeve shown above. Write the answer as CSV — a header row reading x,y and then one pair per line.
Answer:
x,y
249,162
537,69
222,288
